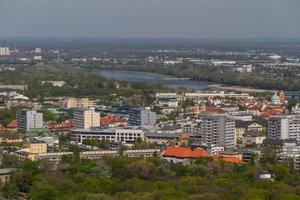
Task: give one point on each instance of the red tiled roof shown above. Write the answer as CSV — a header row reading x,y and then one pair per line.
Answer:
x,y
228,159
187,152
12,124
2,128
272,111
184,152
110,119
214,110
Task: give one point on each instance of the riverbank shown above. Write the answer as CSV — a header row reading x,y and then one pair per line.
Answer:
x,y
238,88
171,81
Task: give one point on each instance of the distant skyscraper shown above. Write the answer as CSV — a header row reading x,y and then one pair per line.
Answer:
x,y
29,119
86,118
141,117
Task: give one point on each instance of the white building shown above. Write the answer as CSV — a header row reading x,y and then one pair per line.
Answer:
x,y
4,51
124,135
209,94
29,119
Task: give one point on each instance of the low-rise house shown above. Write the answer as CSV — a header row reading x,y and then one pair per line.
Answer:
x,y
255,127
184,155
6,173
141,153
253,137
187,155
170,129
167,138
94,155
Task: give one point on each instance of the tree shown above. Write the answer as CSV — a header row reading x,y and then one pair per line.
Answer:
x,y
43,191
10,161
10,191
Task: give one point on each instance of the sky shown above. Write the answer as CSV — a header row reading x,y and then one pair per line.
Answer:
x,y
150,18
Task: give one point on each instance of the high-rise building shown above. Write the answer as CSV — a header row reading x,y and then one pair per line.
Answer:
x,y
29,119
86,118
217,130
284,127
141,117
4,51
278,127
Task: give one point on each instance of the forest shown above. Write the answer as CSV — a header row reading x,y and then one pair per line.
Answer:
x,y
79,82
148,179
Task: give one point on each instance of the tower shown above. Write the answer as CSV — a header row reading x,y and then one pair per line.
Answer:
x,y
281,96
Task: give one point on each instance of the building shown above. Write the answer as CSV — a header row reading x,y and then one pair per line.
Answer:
x,y
284,127
86,118
72,102
184,155
276,100
218,130
168,101
35,147
241,115
222,94
245,69
253,137
124,135
278,127
141,153
29,119
5,174
94,155
142,117
168,138
187,155
4,51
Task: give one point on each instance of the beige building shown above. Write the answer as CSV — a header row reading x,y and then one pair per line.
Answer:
x,y
78,103
86,118
253,137
36,147
33,149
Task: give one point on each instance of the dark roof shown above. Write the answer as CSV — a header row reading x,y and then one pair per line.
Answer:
x,y
277,142
242,124
163,135
170,127
254,134
5,171
245,124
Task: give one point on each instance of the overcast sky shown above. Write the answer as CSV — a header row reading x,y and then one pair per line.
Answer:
x,y
151,18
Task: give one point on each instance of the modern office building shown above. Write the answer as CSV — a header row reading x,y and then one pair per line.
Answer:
x,y
29,119
141,117
217,130
124,135
86,118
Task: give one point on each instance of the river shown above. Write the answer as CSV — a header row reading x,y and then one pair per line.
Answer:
x,y
153,78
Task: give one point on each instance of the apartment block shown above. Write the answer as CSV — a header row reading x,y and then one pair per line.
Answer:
x,y
86,118
142,117
29,119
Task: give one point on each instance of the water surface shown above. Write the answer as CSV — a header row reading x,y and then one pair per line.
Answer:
x,y
152,78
